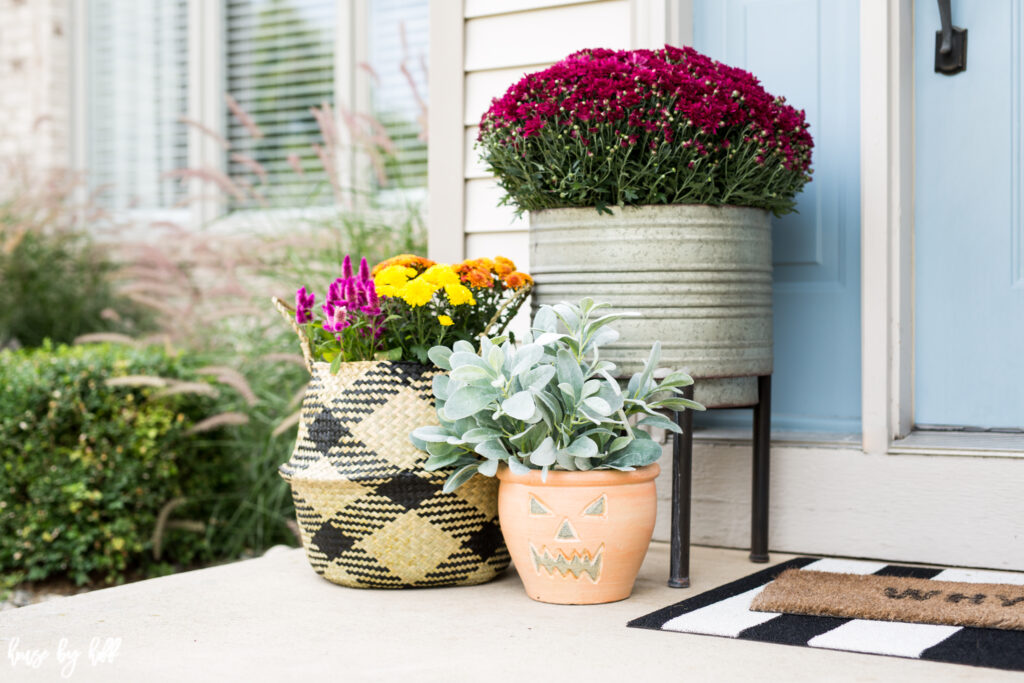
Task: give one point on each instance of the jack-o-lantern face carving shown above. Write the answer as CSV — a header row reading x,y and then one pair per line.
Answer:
x,y
559,538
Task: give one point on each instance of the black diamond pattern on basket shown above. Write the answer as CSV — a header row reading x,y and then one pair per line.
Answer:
x,y
408,490
485,541
367,498
326,431
417,377
353,458
368,571
332,541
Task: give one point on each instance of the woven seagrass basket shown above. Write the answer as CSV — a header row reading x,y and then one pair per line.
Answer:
x,y
369,514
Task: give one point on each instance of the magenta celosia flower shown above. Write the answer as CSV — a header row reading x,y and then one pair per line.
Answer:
x,y
350,297
336,317
304,305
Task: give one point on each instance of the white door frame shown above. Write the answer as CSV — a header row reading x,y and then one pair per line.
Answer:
x,y
887,216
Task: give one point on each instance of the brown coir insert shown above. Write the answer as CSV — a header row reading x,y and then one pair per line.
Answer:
x,y
887,598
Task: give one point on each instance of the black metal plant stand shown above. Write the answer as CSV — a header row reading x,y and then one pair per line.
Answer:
x,y
682,480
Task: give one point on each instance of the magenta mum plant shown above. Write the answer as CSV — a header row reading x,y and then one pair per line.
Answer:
x,y
670,126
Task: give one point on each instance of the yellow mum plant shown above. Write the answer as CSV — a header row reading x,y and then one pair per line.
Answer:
x,y
427,303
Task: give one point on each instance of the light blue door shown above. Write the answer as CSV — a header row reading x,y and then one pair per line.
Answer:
x,y
969,221
808,51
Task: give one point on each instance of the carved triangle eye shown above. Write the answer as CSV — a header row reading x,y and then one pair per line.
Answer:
x,y
537,507
597,507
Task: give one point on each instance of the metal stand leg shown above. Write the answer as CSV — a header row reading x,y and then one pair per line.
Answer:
x,y
762,445
682,478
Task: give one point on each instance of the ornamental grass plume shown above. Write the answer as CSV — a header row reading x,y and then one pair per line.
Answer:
x,y
408,303
670,126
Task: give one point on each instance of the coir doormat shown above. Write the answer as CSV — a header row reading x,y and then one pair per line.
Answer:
x,y
725,611
894,598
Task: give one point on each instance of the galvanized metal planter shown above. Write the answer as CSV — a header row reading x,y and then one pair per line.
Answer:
x,y
700,275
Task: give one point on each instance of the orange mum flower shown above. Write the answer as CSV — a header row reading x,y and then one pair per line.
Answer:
x,y
518,280
475,273
479,278
503,266
407,260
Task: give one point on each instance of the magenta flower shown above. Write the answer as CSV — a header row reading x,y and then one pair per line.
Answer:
x,y
351,298
304,305
623,107
336,317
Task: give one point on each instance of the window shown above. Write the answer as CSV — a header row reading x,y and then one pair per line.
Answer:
x,y
136,80
257,69
397,62
279,57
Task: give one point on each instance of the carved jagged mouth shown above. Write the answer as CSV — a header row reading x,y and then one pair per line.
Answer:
x,y
578,563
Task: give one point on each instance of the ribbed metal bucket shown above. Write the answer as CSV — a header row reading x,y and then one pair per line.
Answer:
x,y
701,276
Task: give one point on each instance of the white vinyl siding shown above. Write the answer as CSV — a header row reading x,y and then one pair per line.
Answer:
x,y
496,58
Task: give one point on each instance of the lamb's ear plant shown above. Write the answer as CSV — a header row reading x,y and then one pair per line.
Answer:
x,y
551,403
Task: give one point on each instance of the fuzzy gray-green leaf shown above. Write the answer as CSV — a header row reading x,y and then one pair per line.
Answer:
x,y
525,358
677,403
468,400
516,466
544,455
492,449
520,406
438,462
440,355
537,379
431,434
599,406
569,372
638,453
440,386
479,434
583,447
661,422
460,477
471,373
463,346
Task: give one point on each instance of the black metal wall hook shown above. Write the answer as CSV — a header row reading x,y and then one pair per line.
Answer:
x,y
950,43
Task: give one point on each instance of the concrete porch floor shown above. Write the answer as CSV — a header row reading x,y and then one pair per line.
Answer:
x,y
274,619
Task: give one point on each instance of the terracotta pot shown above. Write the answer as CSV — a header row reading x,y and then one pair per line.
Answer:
x,y
578,538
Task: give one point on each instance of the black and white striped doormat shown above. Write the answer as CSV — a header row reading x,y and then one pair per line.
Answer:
x,y
725,611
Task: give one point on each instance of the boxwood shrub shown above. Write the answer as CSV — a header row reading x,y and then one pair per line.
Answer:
x,y
87,467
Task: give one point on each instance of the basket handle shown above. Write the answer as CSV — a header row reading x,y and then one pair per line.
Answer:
x,y
288,313
519,297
